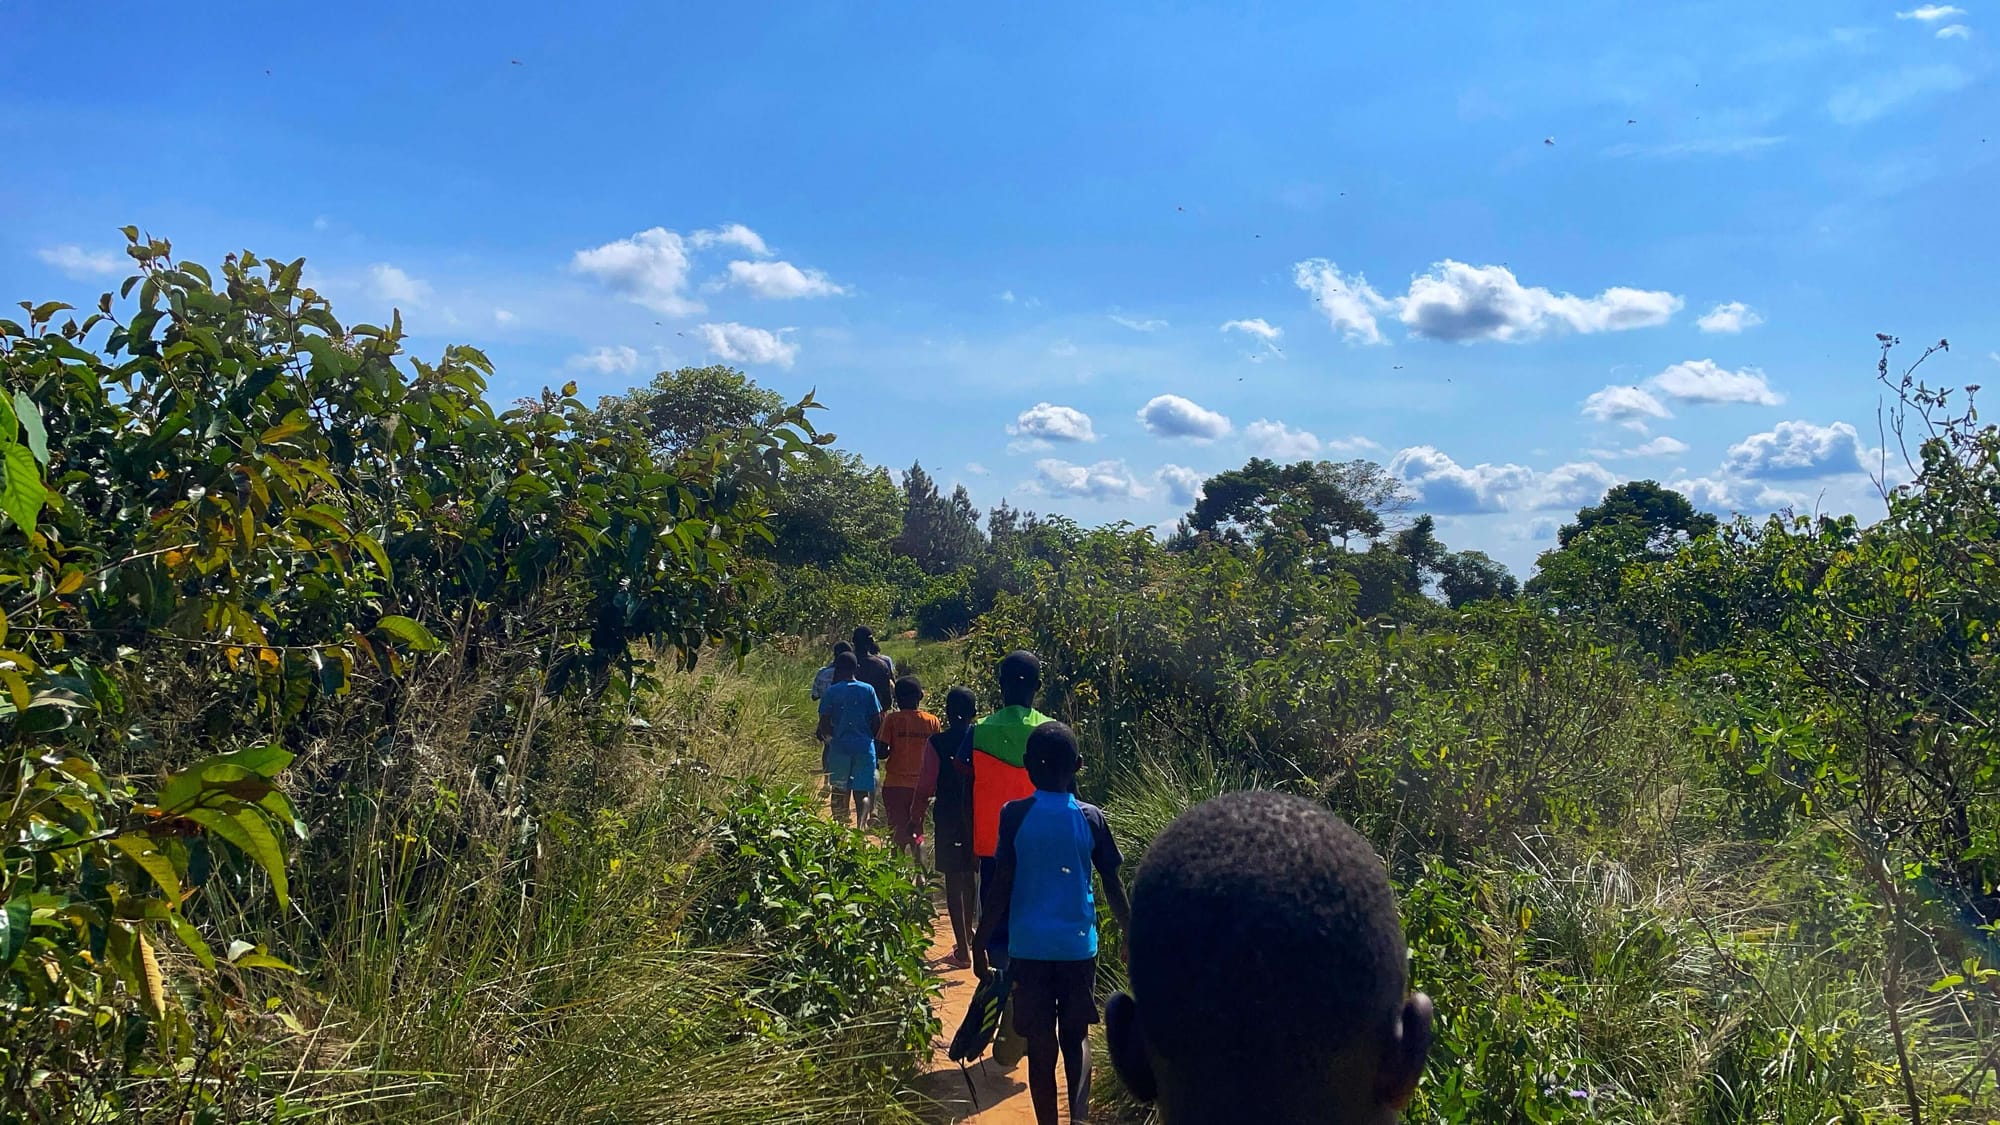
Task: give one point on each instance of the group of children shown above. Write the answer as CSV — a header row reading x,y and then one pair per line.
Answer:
x,y
1267,966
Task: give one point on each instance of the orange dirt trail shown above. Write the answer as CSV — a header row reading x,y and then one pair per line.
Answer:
x,y
1003,1094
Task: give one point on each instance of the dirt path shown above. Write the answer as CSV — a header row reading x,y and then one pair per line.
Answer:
x,y
1002,1094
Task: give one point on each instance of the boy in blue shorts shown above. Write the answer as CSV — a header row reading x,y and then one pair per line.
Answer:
x,y
1050,843
850,716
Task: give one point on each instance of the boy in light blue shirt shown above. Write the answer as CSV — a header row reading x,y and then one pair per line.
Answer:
x,y
1050,844
850,716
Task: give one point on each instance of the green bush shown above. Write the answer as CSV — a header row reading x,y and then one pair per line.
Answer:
x,y
841,924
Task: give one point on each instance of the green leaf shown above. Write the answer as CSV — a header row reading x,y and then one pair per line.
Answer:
x,y
409,632
246,831
21,494
264,761
147,854
30,417
261,960
375,551
191,938
14,921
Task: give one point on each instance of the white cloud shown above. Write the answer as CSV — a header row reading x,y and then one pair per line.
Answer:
x,y
390,283
1444,487
1171,416
1884,93
740,343
1105,480
1350,305
1702,380
616,360
1139,324
977,469
1955,31
1729,317
1662,446
1572,485
1464,303
321,222
733,234
1255,326
1007,295
1183,484
1047,422
782,280
1797,451
1279,441
1931,13
650,268
502,316
1354,444
75,261
1627,406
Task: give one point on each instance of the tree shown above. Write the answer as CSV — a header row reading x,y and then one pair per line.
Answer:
x,y
682,409
1662,511
1316,503
940,533
1423,554
833,507
1472,576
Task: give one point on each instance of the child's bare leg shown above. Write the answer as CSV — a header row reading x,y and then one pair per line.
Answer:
x,y
839,806
864,804
958,895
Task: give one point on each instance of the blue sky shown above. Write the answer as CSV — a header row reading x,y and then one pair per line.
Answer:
x,y
1080,256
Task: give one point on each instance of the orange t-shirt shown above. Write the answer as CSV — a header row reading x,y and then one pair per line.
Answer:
x,y
907,733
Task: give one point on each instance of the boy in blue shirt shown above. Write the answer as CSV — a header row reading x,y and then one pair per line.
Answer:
x,y
850,716
1042,893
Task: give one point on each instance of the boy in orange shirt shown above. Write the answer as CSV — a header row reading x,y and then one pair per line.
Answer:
x,y
907,733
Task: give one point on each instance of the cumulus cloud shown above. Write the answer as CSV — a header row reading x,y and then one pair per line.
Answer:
x,y
1354,444
1627,406
1279,441
1139,324
1572,485
1256,326
740,343
650,268
1954,31
1171,416
782,280
1662,446
1350,305
977,469
1797,451
1007,295
74,261
1463,303
392,284
1931,13
1047,422
616,360
502,316
1446,488
733,234
1729,317
1105,480
1703,380
1182,484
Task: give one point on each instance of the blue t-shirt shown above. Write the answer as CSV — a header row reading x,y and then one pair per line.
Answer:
x,y
852,706
1053,841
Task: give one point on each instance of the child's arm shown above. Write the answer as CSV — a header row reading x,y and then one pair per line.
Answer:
x,y
996,899
1104,856
825,729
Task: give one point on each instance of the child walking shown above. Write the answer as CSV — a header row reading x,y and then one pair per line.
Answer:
x,y
1049,845
849,718
907,733
945,784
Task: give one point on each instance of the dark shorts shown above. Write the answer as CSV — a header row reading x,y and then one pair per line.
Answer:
x,y
1047,990
896,807
952,837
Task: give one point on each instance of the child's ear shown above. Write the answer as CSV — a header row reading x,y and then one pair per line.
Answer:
x,y
1403,1062
1128,1047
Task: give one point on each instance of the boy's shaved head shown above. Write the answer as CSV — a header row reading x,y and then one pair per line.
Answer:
x,y
1266,959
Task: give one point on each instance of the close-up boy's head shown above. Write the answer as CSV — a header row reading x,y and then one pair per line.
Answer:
x,y
844,665
1268,971
1051,756
909,693
840,647
960,705
1020,678
864,641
